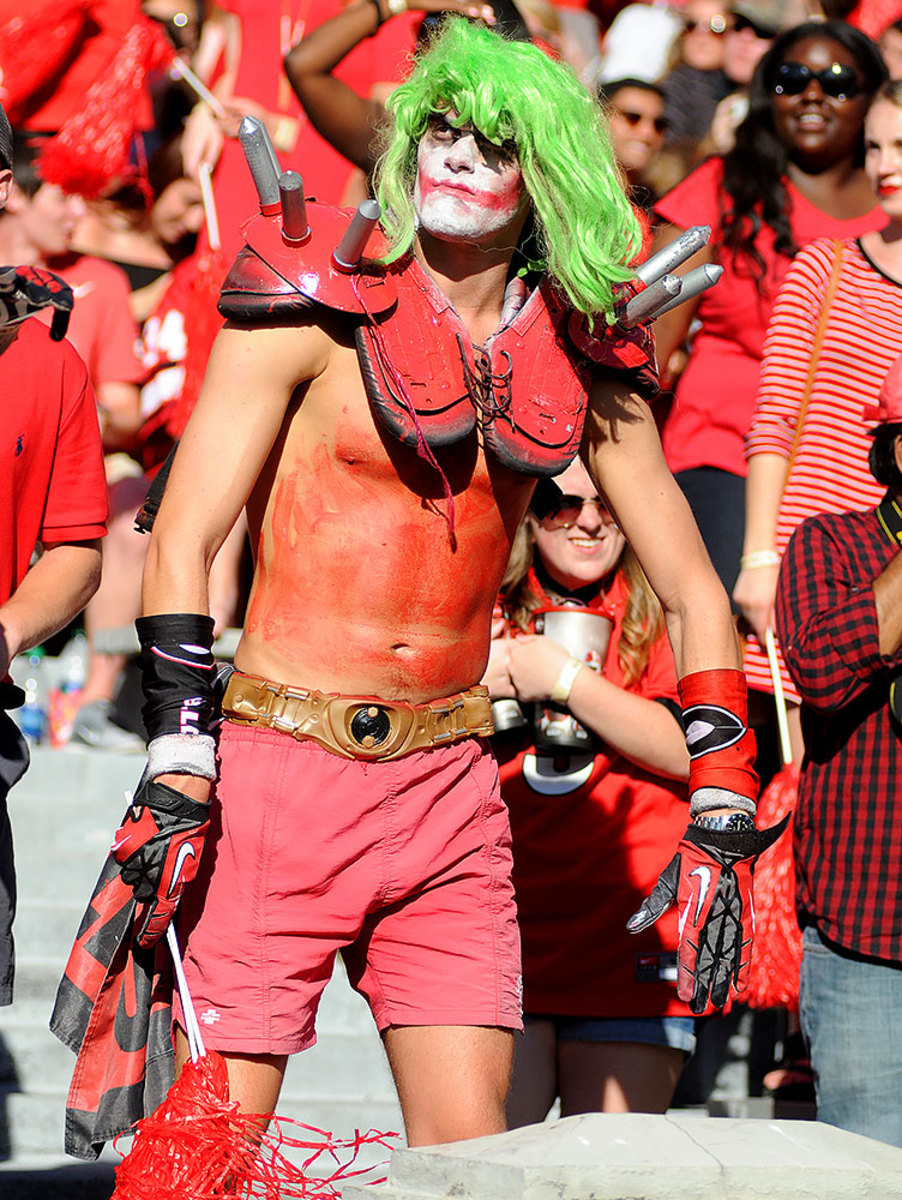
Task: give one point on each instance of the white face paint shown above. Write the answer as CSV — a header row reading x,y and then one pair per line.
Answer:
x,y
467,188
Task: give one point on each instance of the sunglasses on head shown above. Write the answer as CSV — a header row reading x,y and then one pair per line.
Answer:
x,y
836,81
716,25
661,124
740,24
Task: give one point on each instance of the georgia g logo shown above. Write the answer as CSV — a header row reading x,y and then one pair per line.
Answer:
x,y
710,727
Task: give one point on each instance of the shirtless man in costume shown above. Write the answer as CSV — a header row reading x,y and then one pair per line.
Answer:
x,y
382,510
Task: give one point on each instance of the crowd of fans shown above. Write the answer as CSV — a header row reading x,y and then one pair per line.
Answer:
x,y
776,122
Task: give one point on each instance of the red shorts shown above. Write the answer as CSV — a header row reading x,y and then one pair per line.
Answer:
x,y
404,866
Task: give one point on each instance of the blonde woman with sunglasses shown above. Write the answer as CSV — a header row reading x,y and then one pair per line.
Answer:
x,y
604,1029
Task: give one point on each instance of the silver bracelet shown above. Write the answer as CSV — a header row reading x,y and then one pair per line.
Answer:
x,y
182,754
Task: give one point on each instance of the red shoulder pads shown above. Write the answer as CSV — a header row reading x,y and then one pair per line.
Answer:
x,y
273,275
536,422
415,360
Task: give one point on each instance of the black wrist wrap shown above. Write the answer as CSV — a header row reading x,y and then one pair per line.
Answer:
x,y
178,672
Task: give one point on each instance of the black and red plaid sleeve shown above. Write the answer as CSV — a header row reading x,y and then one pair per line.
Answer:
x,y
846,846
826,615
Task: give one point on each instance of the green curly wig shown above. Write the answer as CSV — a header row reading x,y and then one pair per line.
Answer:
x,y
513,92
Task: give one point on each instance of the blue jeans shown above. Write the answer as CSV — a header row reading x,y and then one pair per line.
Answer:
x,y
851,1012
676,1032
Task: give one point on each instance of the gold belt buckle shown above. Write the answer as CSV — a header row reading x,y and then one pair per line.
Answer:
x,y
369,729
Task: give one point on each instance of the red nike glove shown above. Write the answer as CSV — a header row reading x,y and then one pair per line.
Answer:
x,y
710,878
159,845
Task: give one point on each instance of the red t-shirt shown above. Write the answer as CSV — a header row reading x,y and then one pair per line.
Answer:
x,y
163,345
583,862
52,486
715,395
101,328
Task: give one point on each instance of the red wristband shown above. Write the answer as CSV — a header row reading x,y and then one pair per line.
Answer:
x,y
721,746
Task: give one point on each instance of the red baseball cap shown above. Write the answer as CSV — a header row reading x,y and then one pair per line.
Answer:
x,y
888,409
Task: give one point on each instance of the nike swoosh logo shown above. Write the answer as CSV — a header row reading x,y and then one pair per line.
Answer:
x,y
704,882
185,852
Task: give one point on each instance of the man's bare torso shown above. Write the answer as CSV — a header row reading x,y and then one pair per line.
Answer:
x,y
359,587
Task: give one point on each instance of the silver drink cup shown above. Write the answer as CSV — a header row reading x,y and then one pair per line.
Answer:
x,y
585,635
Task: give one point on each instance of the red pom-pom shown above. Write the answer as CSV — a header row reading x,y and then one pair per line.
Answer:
x,y
777,948
198,1146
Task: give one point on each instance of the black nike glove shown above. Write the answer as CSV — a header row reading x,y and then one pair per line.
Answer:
x,y
159,845
24,291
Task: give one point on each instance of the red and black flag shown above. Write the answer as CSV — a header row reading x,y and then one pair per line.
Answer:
x,y
113,1008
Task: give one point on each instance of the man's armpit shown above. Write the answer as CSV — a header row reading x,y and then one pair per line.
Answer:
x,y
613,406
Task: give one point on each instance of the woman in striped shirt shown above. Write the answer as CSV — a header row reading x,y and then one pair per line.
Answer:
x,y
804,464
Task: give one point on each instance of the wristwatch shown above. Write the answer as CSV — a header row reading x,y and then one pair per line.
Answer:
x,y
727,823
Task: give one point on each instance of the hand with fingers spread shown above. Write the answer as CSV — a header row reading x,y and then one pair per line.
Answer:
x,y
710,878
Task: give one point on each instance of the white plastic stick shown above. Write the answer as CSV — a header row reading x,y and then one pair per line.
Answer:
x,y
779,698
180,68
205,172
192,1029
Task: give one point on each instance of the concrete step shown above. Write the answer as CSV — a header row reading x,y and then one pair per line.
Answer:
x,y
340,1084
46,927
341,1064
34,1121
624,1157
341,1010
78,779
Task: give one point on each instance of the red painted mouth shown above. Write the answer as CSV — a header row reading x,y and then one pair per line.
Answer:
x,y
445,185
887,189
488,200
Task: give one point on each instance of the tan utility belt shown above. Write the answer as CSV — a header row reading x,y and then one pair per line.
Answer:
x,y
361,727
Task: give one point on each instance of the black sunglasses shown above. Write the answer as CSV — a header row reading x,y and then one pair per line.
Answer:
x,y
836,81
661,124
742,23
554,509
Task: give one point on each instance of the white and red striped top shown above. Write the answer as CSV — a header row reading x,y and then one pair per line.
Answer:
x,y
862,338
